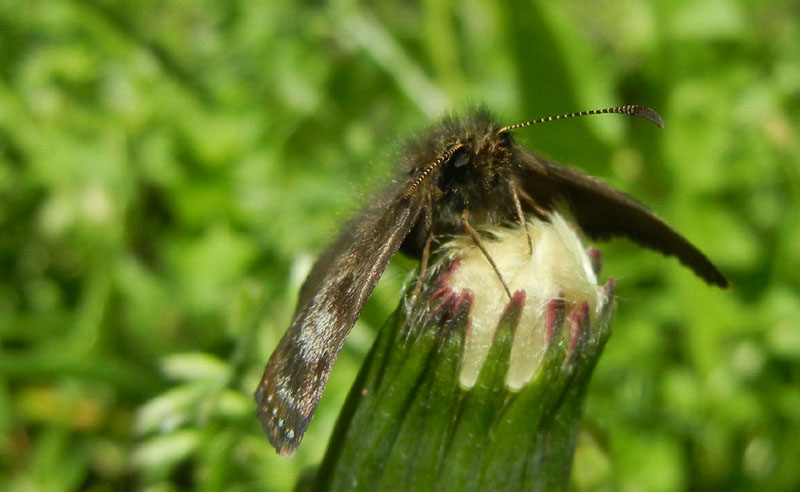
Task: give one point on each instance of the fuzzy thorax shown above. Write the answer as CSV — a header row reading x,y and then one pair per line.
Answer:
x,y
559,268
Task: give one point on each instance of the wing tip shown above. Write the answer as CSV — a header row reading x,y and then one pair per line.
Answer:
x,y
699,263
283,431
717,279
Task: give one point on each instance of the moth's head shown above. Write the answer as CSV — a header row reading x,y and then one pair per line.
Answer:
x,y
472,149
483,144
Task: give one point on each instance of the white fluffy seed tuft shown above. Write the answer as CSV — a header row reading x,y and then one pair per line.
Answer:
x,y
559,268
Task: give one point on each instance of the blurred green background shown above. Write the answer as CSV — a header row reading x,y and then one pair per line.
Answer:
x,y
169,170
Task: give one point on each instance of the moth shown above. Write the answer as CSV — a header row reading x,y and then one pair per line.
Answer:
x,y
463,173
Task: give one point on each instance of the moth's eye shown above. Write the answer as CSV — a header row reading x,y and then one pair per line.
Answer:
x,y
460,159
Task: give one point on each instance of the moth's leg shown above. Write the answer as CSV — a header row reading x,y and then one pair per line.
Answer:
x,y
423,267
476,237
521,216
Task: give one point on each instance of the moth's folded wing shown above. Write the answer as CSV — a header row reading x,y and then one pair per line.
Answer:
x,y
330,302
603,212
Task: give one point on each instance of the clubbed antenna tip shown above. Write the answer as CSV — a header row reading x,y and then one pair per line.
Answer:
x,y
646,113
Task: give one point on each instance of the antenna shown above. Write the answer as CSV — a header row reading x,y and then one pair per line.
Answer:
x,y
428,170
629,109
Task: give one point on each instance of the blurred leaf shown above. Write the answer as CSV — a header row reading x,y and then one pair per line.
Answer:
x,y
195,367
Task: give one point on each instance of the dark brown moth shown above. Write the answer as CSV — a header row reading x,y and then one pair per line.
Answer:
x,y
463,172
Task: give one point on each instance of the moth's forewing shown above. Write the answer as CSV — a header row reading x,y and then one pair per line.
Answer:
x,y
603,211
330,302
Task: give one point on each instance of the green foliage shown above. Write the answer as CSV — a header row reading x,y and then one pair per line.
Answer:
x,y
169,169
